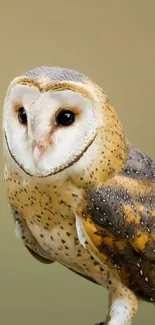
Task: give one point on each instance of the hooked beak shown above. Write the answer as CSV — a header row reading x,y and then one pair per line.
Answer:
x,y
38,150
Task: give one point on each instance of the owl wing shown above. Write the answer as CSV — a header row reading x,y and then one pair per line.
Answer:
x,y
28,239
32,245
117,221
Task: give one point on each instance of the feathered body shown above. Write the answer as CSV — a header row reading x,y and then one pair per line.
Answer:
x,y
80,194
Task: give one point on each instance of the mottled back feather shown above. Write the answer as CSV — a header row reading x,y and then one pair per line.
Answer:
x,y
123,211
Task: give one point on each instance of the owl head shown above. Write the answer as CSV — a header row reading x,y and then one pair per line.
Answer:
x,y
57,120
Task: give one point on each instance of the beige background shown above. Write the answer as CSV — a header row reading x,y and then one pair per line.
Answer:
x,y
112,41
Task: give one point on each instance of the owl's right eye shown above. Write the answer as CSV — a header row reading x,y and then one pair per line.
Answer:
x,y
22,116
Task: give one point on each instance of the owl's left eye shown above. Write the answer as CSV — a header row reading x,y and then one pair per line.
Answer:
x,y
22,116
65,118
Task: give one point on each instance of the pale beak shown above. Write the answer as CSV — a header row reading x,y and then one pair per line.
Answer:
x,y
38,149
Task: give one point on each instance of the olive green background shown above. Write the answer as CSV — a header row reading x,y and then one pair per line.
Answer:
x,y
114,43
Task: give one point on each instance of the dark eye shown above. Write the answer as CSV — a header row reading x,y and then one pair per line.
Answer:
x,y
65,118
22,116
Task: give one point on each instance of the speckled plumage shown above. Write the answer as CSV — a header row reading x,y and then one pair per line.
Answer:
x,y
87,200
123,214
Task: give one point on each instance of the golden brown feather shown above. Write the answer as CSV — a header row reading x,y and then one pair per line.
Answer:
x,y
119,220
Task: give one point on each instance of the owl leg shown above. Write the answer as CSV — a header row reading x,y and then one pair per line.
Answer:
x,y
123,303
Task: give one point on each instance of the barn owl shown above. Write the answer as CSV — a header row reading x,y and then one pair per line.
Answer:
x,y
80,193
